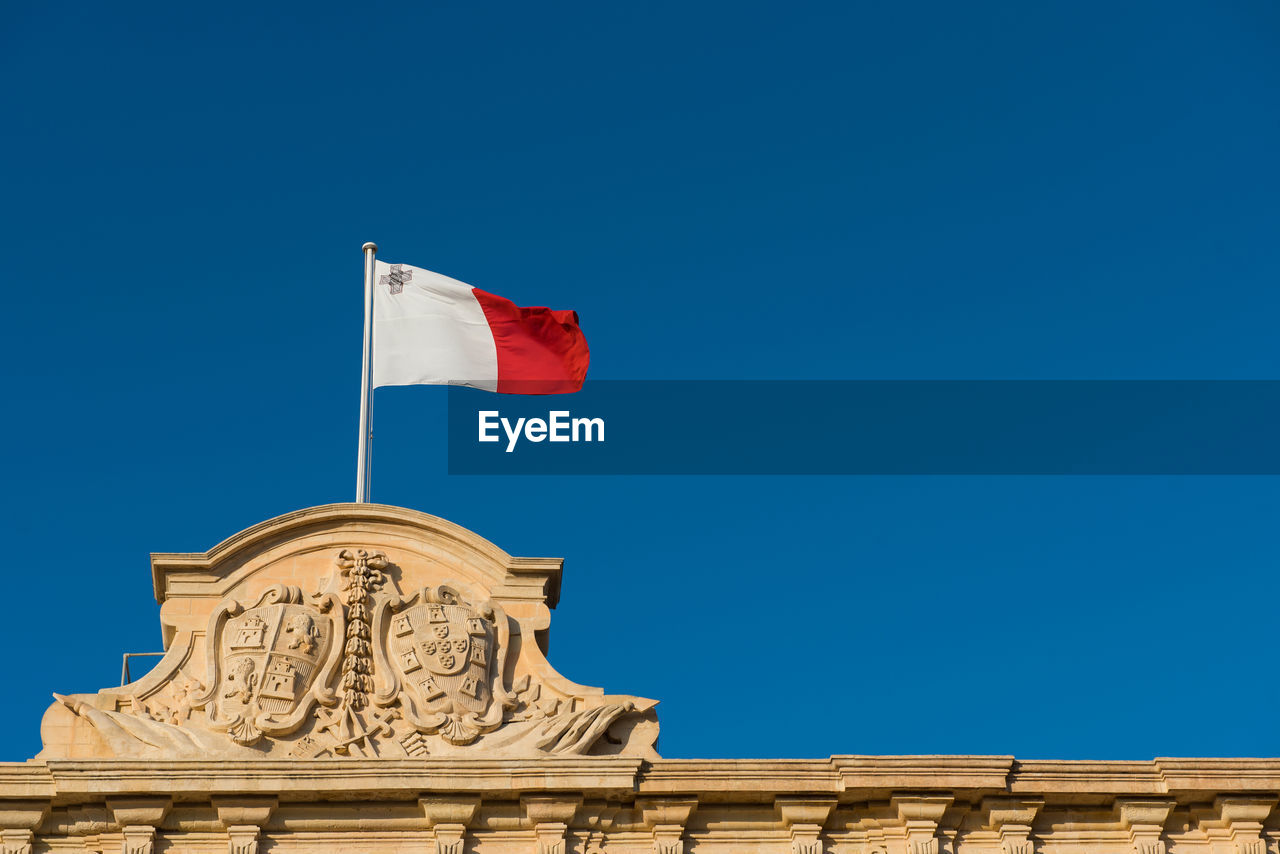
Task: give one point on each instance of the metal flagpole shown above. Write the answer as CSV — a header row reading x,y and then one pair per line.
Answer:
x,y
364,455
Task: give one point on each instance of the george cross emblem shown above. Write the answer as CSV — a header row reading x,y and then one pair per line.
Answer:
x,y
396,278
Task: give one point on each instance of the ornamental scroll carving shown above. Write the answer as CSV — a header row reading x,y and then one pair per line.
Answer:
x,y
357,669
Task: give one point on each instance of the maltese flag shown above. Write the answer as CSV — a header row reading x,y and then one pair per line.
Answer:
x,y
429,329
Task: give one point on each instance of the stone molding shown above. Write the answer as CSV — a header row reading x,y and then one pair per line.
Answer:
x,y
187,573
29,786
587,805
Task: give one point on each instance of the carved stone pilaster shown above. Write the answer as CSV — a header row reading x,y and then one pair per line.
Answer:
x,y
450,838
244,817
920,817
139,839
1012,819
550,837
1146,844
949,828
666,819
1218,836
592,842
804,819
550,816
17,841
806,840
668,840
449,817
242,839
1145,820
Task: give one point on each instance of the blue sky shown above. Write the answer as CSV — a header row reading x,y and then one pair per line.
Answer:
x,y
722,191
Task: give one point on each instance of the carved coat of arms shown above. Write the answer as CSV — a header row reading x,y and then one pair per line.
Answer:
x,y
264,664
449,655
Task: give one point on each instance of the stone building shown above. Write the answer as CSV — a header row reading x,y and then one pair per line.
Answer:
x,y
362,678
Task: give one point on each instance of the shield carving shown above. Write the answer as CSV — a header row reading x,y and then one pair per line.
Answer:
x,y
447,653
266,661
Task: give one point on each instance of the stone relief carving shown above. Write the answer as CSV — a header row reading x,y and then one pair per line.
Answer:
x,y
173,704
259,682
448,657
359,670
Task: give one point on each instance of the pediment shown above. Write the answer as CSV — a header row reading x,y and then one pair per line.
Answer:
x,y
352,630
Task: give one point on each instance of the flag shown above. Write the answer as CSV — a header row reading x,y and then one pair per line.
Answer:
x,y
430,329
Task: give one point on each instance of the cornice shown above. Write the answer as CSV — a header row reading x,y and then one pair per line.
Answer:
x,y
389,779
1085,777
851,779
762,778
1190,776
291,525
965,773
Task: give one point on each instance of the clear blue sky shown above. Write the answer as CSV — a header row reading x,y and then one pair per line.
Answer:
x,y
721,190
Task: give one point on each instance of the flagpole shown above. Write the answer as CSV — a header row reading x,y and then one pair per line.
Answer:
x,y
365,453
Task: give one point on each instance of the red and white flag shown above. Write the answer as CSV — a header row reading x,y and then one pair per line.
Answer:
x,y
430,329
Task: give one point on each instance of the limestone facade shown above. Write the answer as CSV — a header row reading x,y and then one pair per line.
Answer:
x,y
366,678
